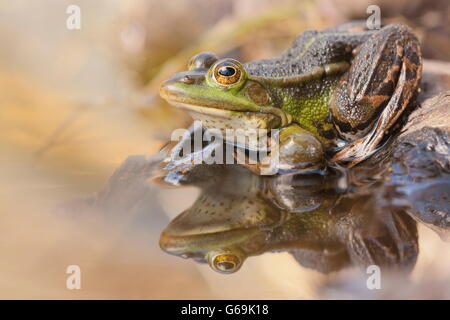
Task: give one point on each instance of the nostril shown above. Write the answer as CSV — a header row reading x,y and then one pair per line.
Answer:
x,y
187,80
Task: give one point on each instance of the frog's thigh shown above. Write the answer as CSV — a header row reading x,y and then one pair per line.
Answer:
x,y
299,149
375,92
365,90
366,87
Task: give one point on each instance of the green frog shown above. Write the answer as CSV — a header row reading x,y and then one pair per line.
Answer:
x,y
334,96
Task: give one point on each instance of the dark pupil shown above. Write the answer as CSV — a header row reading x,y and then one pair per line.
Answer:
x,y
227,71
224,265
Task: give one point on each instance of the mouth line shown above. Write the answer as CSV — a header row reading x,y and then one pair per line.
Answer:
x,y
223,109
209,110
172,243
189,103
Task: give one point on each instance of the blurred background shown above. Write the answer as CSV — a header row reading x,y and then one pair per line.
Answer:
x,y
74,104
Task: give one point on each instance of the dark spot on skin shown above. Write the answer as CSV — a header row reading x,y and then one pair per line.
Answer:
x,y
411,70
386,88
374,101
328,134
343,126
412,56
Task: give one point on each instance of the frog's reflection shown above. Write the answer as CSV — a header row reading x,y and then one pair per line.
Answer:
x,y
239,214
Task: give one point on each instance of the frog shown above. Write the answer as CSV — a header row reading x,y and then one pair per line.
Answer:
x,y
334,97
239,215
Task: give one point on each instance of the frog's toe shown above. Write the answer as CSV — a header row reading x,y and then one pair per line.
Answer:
x,y
354,153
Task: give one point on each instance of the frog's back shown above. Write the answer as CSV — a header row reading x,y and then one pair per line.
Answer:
x,y
310,50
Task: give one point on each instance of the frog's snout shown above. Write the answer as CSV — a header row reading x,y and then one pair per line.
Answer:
x,y
188,77
171,86
168,88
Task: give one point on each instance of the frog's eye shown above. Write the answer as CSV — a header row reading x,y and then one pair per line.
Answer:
x,y
225,262
227,72
202,60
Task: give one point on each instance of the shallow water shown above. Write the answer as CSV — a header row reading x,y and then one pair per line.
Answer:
x,y
286,236
326,222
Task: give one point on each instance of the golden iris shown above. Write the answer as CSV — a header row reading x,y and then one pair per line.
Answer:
x,y
227,73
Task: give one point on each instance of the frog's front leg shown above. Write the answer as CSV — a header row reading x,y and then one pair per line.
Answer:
x,y
378,87
293,149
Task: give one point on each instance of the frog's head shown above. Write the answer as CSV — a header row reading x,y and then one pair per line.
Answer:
x,y
221,251
221,94
223,245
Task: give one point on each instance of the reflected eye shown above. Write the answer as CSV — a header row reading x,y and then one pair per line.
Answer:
x,y
227,72
226,263
202,60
